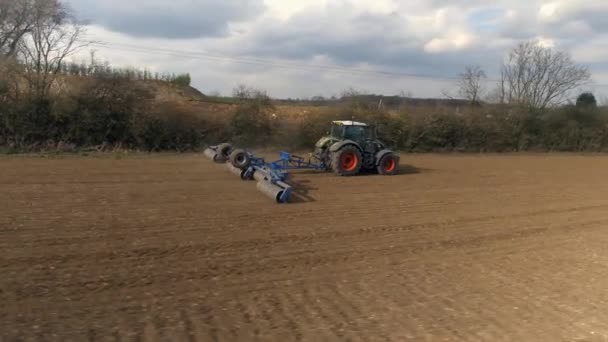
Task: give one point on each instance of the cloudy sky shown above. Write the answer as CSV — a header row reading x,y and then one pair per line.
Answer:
x,y
303,48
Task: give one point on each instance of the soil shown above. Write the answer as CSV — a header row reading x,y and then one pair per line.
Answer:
x,y
166,248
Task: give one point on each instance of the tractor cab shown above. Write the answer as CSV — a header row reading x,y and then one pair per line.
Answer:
x,y
359,132
352,130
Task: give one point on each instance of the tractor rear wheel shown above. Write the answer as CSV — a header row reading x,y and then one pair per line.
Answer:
x,y
388,165
240,159
347,161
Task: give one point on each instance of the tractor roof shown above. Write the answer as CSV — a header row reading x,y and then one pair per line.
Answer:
x,y
349,123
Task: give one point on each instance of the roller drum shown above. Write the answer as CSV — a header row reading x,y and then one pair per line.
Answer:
x,y
209,153
272,191
234,170
261,176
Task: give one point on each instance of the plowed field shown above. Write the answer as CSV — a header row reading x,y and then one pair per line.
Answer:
x,y
166,248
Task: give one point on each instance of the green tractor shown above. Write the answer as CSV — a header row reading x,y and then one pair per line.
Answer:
x,y
351,147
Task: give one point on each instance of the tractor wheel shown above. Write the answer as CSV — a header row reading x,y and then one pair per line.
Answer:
x,y
240,159
223,152
388,165
347,161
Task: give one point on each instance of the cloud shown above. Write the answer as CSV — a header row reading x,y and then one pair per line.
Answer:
x,y
436,38
181,19
593,51
452,42
591,13
383,36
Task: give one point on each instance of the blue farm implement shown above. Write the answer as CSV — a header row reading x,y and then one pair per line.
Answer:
x,y
272,177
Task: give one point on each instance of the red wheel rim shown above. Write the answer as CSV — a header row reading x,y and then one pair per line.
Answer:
x,y
349,161
390,165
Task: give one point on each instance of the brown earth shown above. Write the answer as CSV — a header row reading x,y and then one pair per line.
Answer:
x,y
162,247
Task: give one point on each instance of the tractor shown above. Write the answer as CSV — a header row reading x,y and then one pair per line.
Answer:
x,y
350,147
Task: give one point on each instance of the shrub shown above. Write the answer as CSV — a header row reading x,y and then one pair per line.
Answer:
x,y
586,100
182,80
169,128
252,123
108,109
103,111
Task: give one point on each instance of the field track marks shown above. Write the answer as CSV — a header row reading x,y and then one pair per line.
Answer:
x,y
471,248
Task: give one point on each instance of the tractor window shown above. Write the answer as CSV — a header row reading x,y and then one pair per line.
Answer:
x,y
370,132
356,133
336,131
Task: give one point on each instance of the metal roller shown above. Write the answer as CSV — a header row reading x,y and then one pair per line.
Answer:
x,y
261,176
275,192
209,153
234,170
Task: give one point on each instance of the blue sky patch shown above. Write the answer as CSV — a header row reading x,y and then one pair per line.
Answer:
x,y
486,19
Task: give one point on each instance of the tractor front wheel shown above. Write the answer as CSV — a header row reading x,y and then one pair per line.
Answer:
x,y
347,161
388,165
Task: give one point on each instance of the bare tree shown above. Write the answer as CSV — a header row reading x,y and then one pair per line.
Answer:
x,y
470,84
15,23
54,35
10,72
245,94
537,76
447,94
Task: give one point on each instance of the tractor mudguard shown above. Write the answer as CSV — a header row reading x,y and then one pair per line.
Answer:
x,y
337,146
381,154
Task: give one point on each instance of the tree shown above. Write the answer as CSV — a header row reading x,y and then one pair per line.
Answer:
x,y
251,122
586,99
182,80
246,94
16,20
537,76
470,84
54,35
